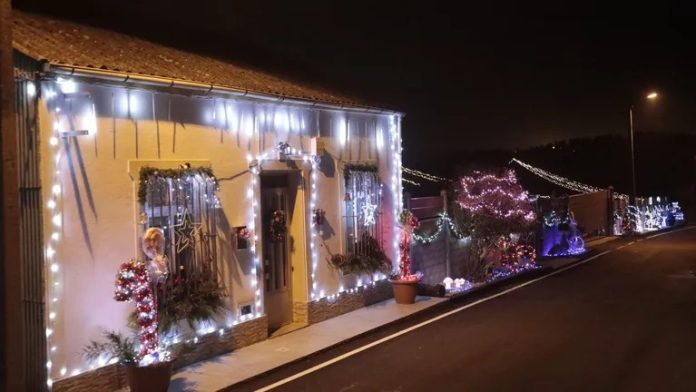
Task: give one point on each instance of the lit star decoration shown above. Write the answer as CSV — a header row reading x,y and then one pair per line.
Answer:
x,y
368,210
186,232
497,195
133,284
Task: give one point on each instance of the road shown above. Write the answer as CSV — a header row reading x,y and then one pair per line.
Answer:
x,y
623,321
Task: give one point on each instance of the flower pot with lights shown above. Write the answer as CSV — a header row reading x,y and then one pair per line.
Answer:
x,y
144,373
153,377
404,283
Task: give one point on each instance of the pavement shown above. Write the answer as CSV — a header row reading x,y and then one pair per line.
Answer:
x,y
621,319
257,359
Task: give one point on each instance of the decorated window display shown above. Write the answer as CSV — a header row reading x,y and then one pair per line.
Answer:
x,y
180,243
362,201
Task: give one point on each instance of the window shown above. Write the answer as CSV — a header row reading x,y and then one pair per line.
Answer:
x,y
184,207
183,203
363,201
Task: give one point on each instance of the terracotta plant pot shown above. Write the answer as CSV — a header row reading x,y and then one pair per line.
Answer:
x,y
404,291
152,378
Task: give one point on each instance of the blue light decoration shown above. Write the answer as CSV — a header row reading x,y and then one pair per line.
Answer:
x,y
561,236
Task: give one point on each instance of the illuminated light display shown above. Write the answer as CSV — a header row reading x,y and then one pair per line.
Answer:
x,y
129,103
561,236
423,175
558,180
443,219
498,195
646,217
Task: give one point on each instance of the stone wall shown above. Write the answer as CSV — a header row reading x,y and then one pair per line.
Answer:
x,y
347,301
111,377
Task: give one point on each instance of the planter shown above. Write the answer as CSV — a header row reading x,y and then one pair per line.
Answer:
x,y
152,378
404,291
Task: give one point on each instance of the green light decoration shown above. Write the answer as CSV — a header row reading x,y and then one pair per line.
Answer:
x,y
443,218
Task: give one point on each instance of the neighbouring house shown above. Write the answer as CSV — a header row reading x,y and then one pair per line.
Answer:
x,y
256,183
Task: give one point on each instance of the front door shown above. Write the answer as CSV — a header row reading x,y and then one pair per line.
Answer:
x,y
276,255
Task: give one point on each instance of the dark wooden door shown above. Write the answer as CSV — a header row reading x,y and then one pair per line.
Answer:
x,y
276,255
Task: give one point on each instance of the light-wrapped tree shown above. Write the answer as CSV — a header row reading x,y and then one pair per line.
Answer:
x,y
495,205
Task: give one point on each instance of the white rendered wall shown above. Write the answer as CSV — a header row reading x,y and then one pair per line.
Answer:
x,y
97,203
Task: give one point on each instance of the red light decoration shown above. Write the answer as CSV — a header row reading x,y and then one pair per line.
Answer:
x,y
409,222
133,284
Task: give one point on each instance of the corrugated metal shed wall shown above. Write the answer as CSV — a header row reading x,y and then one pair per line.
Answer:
x,y
31,236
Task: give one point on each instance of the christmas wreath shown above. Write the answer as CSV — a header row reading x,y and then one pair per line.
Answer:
x,y
278,227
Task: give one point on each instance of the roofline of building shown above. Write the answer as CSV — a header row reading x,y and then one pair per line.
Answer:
x,y
163,82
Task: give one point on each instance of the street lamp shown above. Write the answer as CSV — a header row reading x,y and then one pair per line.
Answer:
x,y
651,96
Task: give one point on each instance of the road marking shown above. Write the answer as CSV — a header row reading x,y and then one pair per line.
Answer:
x,y
672,231
444,315
420,325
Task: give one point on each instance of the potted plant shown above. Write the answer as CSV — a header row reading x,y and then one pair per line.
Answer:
x,y
368,258
143,373
404,283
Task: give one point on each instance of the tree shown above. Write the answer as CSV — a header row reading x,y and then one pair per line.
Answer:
x,y
495,205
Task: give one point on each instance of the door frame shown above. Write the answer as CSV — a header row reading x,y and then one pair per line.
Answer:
x,y
299,253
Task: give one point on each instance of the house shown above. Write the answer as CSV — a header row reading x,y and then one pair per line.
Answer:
x,y
255,182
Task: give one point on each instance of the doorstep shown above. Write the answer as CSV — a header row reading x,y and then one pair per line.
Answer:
x,y
247,362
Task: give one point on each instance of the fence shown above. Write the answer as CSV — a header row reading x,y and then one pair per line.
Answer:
x,y
592,212
441,254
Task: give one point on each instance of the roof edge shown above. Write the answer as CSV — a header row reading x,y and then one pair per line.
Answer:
x,y
122,77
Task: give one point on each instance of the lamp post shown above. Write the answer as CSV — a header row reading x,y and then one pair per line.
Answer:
x,y
651,97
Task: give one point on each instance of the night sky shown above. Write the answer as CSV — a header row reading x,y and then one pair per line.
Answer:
x,y
472,77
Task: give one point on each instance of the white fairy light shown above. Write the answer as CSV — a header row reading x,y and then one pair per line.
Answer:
x,y
31,89
67,86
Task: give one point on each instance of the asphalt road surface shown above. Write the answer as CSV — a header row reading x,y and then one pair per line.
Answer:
x,y
625,321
